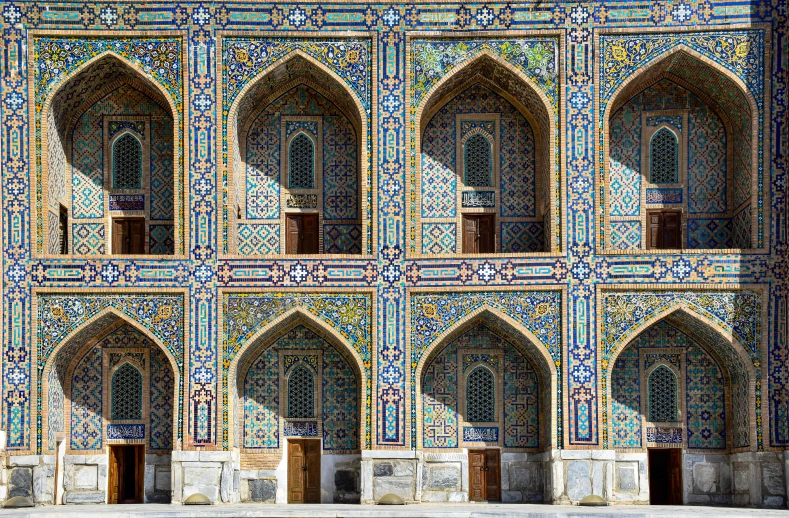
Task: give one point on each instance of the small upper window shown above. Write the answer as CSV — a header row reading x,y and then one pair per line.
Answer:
x,y
127,393
301,160
480,396
664,157
478,161
301,394
662,395
127,163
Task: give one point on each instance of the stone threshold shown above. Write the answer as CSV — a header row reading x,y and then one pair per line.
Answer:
x,y
481,510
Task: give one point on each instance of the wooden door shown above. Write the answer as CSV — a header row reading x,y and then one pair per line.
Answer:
x,y
675,477
113,482
479,234
139,464
664,229
301,234
128,236
304,471
492,475
313,482
476,476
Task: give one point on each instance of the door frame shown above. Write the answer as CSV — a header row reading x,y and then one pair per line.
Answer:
x,y
484,452
674,455
303,440
139,459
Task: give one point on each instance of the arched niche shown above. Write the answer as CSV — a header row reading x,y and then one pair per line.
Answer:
x,y
270,357
490,340
715,378
296,96
714,198
487,96
82,210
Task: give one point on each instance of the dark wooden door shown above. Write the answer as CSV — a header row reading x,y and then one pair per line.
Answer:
x,y
479,234
484,475
128,236
113,482
492,475
301,234
476,476
664,229
304,471
63,223
665,476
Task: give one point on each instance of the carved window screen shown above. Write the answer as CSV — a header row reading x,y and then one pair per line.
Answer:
x,y
478,161
127,163
301,160
662,396
301,394
664,157
127,393
480,396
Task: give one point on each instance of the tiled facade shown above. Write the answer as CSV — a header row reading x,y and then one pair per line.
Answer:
x,y
570,316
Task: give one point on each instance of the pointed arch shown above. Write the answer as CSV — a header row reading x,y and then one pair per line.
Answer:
x,y
678,65
523,340
726,350
265,87
125,399
55,121
529,100
80,339
268,335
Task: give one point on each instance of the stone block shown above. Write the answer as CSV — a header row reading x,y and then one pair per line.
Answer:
x,y
201,476
576,454
383,469
774,501
23,460
742,477
84,497
49,459
263,490
773,479
20,482
705,478
226,481
627,477
44,484
579,483
457,496
400,486
157,460
434,496
443,477
603,454
215,456
511,496
163,478
74,459
697,499
248,473
96,459
403,468
185,456
150,478
86,477
346,480
389,454
525,476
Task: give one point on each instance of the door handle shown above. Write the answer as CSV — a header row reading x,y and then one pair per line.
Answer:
x,y
304,468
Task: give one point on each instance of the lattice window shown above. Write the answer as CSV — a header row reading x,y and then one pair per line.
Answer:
x,y
480,396
662,398
301,394
127,393
301,159
478,161
664,157
127,163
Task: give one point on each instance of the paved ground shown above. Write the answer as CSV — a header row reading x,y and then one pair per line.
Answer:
x,y
408,511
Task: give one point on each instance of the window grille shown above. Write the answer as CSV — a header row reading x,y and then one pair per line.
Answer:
x,y
478,161
127,163
480,396
662,386
127,393
664,157
301,394
301,159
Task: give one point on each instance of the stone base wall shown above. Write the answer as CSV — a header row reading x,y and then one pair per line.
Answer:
x,y
216,474
158,478
579,473
31,476
85,479
707,479
631,478
759,479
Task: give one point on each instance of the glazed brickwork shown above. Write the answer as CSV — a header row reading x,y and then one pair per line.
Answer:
x,y
573,67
